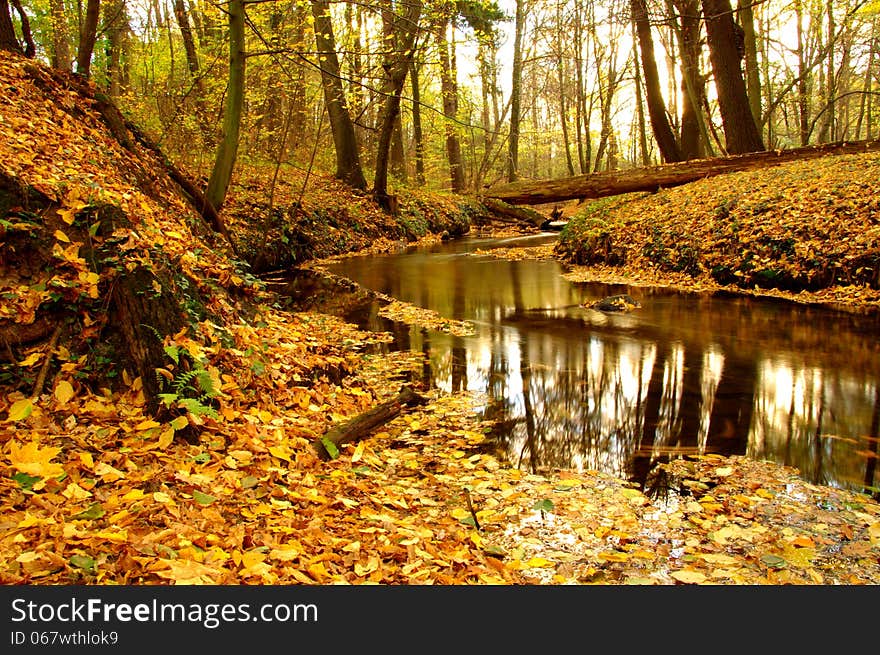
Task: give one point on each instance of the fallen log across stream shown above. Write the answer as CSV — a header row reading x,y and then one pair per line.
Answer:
x,y
653,178
327,446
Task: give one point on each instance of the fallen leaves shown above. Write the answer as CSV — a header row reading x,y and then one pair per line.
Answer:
x,y
805,231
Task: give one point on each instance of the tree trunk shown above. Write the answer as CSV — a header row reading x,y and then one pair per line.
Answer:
x,y
348,162
417,124
116,25
224,163
694,137
189,44
515,94
400,42
753,78
30,48
449,90
741,134
611,183
60,44
663,134
87,38
8,40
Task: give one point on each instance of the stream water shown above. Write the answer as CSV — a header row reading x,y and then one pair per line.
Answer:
x,y
576,388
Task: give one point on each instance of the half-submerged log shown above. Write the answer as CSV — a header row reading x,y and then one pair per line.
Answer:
x,y
361,425
653,178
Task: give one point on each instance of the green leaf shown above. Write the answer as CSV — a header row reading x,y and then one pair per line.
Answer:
x,y
331,448
249,482
179,423
92,512
202,498
26,481
545,505
774,561
173,353
495,551
202,458
83,562
20,410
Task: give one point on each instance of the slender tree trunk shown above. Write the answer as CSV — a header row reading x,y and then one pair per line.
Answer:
x,y
60,36
803,99
515,93
189,44
417,124
640,113
87,38
348,164
224,163
753,78
694,137
561,79
116,27
741,134
663,134
826,131
400,39
449,90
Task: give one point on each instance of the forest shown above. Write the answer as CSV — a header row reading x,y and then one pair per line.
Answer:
x,y
171,170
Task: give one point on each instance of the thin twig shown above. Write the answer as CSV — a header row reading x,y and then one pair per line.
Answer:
x,y
44,370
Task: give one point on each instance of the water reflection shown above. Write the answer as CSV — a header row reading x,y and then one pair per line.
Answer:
x,y
575,388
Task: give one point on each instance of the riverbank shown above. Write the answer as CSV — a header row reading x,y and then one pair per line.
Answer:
x,y
808,232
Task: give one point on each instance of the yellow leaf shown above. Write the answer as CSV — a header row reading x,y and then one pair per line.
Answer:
x,y
75,492
119,537
107,472
20,410
187,572
799,557
252,558
281,452
61,236
63,392
614,557
33,460
146,425
166,438
538,562
179,423
689,577
31,359
358,453
723,471
87,460
718,558
286,553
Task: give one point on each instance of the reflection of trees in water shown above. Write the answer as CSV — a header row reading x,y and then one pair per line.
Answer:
x,y
821,422
621,393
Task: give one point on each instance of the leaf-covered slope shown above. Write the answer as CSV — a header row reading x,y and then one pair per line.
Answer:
x,y
811,227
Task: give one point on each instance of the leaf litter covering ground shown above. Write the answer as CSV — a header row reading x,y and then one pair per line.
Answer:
x,y
95,491
804,231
